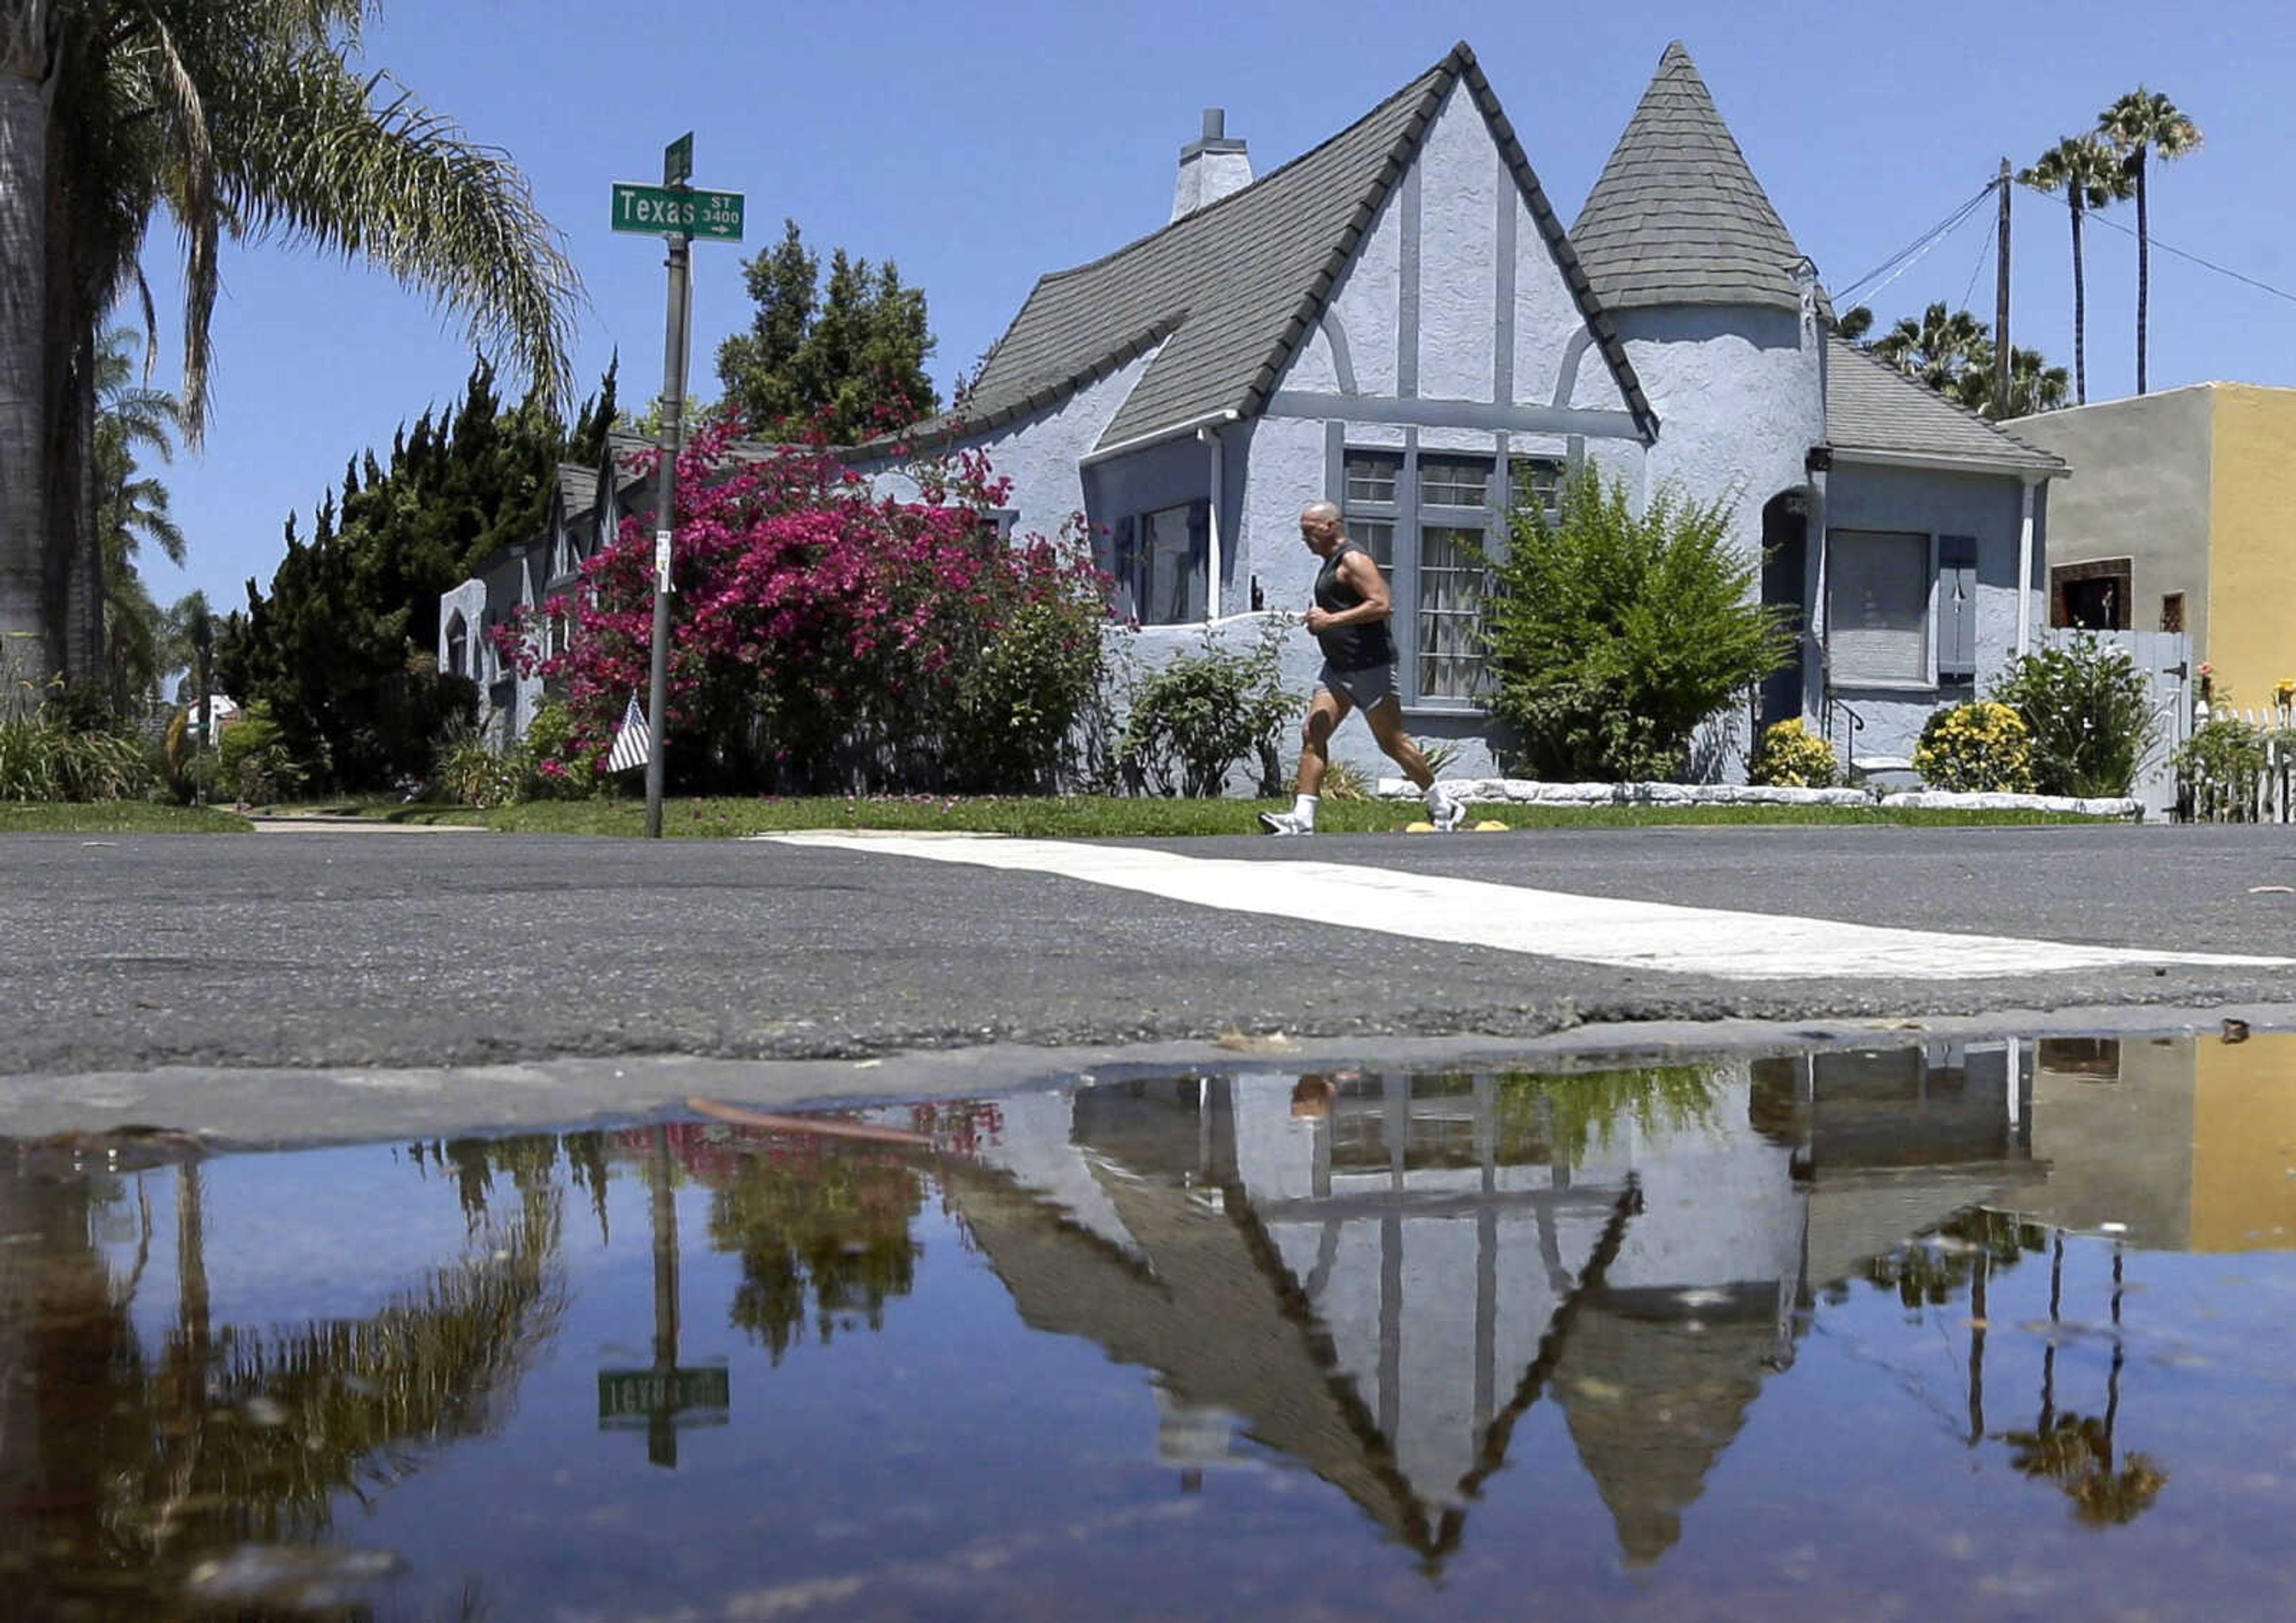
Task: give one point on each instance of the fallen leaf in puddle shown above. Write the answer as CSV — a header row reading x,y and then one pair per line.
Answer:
x,y
1589,1387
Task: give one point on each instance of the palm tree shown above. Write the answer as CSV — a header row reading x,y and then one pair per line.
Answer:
x,y
236,118
1937,348
2091,176
131,508
2142,122
2034,385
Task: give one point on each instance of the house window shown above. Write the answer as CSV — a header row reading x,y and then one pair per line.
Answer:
x,y
1877,608
1426,518
1536,481
458,647
2172,612
2092,596
1160,561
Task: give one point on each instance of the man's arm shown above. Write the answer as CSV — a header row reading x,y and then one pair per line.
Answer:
x,y
1361,573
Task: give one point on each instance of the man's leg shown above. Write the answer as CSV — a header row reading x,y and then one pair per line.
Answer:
x,y
1386,719
1325,711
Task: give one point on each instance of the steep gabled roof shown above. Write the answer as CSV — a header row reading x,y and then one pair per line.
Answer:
x,y
1872,406
1225,295
1678,216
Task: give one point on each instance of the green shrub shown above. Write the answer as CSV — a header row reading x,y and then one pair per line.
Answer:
x,y
1612,636
468,771
252,760
2219,767
2084,707
1011,717
41,759
1789,756
555,767
1977,747
1194,720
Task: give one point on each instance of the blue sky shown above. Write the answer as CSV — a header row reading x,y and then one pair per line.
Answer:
x,y
978,146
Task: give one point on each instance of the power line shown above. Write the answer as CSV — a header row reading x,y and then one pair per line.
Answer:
x,y
1897,264
2221,270
1984,253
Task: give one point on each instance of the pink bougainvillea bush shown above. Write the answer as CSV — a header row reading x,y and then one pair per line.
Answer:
x,y
824,638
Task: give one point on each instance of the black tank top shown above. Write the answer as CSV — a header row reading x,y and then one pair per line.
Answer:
x,y
1349,647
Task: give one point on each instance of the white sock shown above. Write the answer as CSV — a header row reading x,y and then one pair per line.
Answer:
x,y
1437,798
1303,806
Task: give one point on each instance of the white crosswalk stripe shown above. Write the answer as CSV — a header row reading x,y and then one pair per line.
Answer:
x,y
1547,923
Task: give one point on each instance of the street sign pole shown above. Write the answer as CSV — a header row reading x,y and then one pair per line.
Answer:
x,y
673,426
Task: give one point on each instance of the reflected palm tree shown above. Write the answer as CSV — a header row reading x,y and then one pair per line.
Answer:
x,y
2076,1452
138,1463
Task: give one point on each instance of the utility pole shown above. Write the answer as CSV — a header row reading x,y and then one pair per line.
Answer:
x,y
2004,357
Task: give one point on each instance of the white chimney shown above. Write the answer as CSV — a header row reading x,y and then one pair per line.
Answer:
x,y
1211,167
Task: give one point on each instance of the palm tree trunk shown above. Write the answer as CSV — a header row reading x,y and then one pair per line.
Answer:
x,y
24,78
2080,309
2144,268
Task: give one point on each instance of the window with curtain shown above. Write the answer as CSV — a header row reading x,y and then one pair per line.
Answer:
x,y
1455,522
1877,612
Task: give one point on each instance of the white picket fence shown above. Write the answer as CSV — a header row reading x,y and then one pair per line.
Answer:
x,y
2261,795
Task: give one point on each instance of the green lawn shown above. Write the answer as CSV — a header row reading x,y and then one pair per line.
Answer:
x,y
117,817
1082,817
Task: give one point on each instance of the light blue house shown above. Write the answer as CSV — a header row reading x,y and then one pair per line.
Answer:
x,y
1397,320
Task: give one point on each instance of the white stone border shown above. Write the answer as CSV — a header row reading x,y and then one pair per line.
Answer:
x,y
1527,792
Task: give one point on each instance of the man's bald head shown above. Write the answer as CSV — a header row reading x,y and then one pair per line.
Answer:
x,y
1320,513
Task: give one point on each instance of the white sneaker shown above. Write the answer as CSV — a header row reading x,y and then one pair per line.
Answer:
x,y
1285,823
1446,814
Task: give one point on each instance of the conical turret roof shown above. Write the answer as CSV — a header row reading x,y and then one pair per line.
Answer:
x,y
1678,216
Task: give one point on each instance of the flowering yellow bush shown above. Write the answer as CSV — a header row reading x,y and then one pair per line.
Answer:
x,y
1978,747
1789,758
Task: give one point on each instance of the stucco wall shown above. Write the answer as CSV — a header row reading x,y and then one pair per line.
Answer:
x,y
2140,490
1990,507
1458,176
1740,402
2251,551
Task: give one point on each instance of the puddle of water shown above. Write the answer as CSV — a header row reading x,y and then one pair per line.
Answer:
x,y
1986,1330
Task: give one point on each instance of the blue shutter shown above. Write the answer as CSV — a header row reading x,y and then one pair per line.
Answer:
x,y
1956,642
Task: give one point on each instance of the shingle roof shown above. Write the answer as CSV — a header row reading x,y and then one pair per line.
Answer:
x,y
578,487
1225,294
1678,216
1869,405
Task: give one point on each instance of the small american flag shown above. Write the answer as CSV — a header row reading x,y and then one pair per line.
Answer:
x,y
632,740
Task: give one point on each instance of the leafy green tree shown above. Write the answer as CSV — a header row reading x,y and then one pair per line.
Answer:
x,y
1612,634
841,363
343,648
241,119
2142,123
2091,176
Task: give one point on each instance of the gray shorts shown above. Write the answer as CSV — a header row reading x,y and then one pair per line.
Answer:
x,y
1369,687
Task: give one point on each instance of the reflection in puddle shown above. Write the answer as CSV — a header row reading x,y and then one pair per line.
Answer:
x,y
1984,1329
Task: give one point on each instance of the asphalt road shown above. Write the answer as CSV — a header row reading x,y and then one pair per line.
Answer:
x,y
340,949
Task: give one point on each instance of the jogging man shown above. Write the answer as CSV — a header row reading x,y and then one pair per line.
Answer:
x,y
1349,620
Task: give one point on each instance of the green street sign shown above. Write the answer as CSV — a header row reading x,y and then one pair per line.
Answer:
x,y
678,161
635,1396
673,212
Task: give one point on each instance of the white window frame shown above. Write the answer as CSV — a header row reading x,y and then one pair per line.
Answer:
x,y
1928,681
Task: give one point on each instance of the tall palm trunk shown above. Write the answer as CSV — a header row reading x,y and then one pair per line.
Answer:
x,y
25,69
2080,306
2144,268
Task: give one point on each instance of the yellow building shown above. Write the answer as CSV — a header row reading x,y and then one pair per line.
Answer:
x,y
2180,515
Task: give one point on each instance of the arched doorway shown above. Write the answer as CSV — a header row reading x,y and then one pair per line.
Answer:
x,y
1785,585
